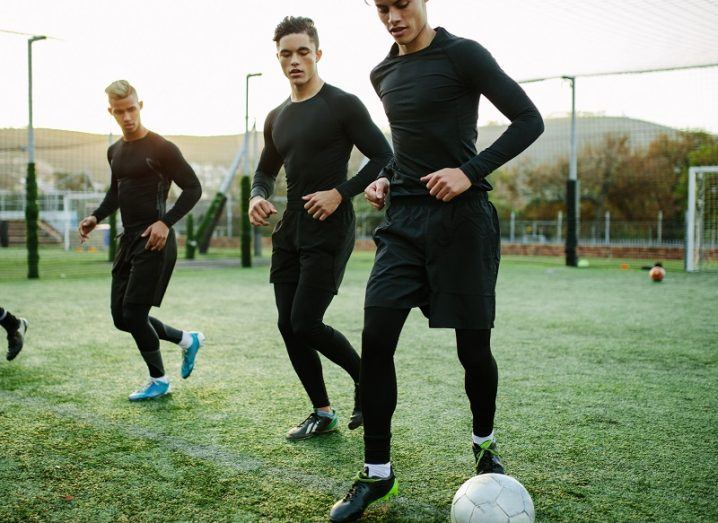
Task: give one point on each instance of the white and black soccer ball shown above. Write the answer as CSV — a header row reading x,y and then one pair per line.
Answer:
x,y
492,498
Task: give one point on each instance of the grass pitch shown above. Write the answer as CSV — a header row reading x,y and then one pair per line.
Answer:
x,y
607,404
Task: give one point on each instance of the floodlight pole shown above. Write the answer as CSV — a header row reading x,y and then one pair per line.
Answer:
x,y
31,207
572,196
246,228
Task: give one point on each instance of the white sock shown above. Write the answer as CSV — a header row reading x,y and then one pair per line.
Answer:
x,y
378,471
324,413
478,440
186,340
162,379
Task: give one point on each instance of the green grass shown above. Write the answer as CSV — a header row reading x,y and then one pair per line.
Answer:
x,y
607,402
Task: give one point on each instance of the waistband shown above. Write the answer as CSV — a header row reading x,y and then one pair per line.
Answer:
x,y
427,199
298,205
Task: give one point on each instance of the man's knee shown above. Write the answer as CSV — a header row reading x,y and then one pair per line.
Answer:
x,y
135,316
118,319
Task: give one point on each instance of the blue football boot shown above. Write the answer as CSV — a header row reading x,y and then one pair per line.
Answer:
x,y
190,353
153,389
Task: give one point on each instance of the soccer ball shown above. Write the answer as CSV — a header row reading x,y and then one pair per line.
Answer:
x,y
657,273
492,498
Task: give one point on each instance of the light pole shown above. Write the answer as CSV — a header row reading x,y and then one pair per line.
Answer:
x,y
246,100
31,207
246,226
572,196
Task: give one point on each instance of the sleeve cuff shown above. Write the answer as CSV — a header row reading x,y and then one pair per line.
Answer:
x,y
471,173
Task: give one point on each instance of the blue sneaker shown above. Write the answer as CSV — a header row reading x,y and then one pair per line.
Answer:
x,y
190,353
153,389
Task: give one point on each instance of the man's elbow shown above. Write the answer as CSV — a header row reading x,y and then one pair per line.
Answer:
x,y
536,123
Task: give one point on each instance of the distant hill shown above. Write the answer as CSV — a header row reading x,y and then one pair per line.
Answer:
x,y
83,155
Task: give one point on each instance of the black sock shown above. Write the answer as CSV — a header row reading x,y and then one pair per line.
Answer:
x,y
166,332
153,359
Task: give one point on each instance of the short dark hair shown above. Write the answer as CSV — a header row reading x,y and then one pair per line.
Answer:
x,y
296,24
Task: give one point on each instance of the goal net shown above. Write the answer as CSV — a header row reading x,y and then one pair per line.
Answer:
x,y
702,219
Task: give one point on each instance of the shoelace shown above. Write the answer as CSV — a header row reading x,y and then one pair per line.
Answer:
x,y
312,416
146,386
359,484
491,452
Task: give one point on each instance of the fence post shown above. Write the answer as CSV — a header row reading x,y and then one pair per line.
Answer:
x,y
659,235
559,226
230,217
512,227
607,231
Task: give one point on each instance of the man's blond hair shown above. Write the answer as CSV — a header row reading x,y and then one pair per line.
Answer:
x,y
120,89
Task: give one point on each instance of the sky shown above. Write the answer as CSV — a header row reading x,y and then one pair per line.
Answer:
x,y
188,59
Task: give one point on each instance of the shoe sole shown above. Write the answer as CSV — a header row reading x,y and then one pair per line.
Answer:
x,y
312,435
354,425
12,355
152,398
394,491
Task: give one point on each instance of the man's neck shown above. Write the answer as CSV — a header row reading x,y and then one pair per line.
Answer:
x,y
140,133
307,90
422,41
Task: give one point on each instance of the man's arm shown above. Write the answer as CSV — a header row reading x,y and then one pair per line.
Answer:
x,y
111,201
175,167
109,205
480,69
270,161
370,141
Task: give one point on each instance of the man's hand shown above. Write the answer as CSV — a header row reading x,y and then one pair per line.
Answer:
x,y
259,210
447,184
376,192
321,204
86,226
157,232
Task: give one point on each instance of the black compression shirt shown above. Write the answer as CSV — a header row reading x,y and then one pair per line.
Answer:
x,y
431,98
313,139
142,172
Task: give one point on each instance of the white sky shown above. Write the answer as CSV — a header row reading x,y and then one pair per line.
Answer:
x,y
188,59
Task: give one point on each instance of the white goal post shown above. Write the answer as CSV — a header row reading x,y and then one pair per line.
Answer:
x,y
702,219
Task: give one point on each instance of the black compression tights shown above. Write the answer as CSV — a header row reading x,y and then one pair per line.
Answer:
x,y
147,331
300,321
380,337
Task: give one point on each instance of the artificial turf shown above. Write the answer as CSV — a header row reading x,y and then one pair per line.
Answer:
x,y
607,402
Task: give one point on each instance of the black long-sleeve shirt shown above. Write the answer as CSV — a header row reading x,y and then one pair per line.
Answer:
x,y
314,139
431,98
142,172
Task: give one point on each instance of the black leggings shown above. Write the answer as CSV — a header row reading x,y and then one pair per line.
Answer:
x,y
300,320
147,331
380,337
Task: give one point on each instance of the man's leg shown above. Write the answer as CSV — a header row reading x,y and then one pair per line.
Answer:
x,y
480,382
308,309
377,383
16,328
189,341
307,365
135,318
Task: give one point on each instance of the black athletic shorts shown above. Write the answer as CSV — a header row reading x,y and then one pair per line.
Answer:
x,y
140,275
306,251
442,257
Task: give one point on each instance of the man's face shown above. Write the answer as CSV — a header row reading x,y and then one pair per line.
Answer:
x,y
127,113
404,19
298,57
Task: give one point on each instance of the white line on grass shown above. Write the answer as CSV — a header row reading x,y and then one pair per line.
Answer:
x,y
216,454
